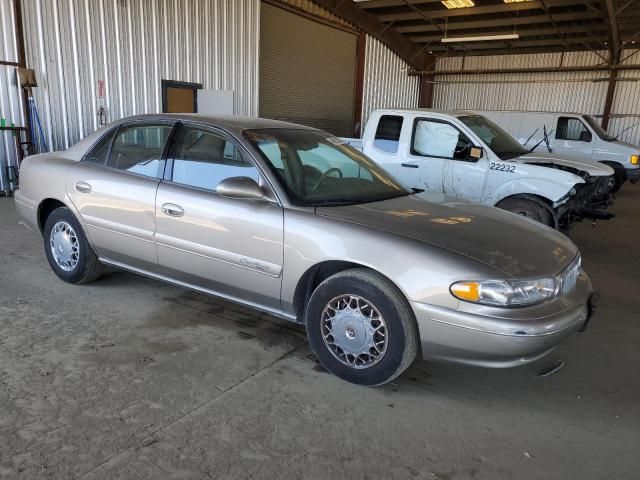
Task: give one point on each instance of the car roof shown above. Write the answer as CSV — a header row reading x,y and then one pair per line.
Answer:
x,y
535,112
227,122
453,113
232,124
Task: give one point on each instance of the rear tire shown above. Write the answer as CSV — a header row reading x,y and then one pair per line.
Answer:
x,y
69,254
530,209
361,328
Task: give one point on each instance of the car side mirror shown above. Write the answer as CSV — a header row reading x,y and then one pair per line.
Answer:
x,y
240,187
585,136
476,153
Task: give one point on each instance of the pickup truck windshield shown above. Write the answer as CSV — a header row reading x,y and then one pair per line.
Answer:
x,y
595,126
499,141
318,169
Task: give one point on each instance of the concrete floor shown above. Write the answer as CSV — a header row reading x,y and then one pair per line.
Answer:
x,y
131,378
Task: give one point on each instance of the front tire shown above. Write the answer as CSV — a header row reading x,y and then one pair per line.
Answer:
x,y
361,328
69,254
530,209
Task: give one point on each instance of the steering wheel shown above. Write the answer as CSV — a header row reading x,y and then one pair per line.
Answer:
x,y
324,176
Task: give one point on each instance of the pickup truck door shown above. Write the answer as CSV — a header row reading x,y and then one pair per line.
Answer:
x,y
439,152
466,178
573,138
114,190
230,246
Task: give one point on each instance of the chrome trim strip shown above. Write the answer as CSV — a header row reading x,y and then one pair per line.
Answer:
x,y
224,256
91,225
114,227
146,273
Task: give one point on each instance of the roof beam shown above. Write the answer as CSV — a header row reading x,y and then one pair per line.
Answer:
x,y
528,32
408,51
614,43
522,43
371,4
576,68
532,19
481,10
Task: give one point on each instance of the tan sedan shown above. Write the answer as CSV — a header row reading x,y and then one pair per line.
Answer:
x,y
291,221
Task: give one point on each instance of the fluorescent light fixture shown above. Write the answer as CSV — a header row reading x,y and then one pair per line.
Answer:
x,y
481,38
458,3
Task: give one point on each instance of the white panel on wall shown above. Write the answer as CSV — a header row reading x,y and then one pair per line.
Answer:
x,y
215,102
386,83
132,45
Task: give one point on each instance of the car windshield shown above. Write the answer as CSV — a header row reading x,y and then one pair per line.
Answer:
x,y
499,141
595,126
318,169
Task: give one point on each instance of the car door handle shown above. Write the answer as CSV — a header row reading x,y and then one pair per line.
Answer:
x,y
173,209
409,165
83,187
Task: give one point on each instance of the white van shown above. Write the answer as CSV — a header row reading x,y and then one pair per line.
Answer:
x,y
571,135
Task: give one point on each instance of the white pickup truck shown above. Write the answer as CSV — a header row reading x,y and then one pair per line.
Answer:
x,y
465,155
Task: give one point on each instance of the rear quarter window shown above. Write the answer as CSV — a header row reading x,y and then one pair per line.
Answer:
x,y
388,132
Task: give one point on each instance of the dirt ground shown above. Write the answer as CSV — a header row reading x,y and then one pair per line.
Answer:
x,y
130,378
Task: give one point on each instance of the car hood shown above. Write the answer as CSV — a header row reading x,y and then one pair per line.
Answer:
x,y
633,149
516,246
593,168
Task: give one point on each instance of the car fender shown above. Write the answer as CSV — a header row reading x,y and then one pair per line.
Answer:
x,y
533,180
47,181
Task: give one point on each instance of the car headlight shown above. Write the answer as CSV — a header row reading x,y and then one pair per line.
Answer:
x,y
505,293
634,159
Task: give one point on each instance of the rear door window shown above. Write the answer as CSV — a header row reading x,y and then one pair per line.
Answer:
x,y
139,149
388,132
100,151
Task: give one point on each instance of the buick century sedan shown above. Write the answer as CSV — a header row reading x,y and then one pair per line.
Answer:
x,y
290,220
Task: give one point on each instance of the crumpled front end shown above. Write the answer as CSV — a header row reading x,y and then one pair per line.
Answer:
x,y
590,200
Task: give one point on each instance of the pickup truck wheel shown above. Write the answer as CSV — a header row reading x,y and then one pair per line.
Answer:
x,y
68,251
528,208
361,328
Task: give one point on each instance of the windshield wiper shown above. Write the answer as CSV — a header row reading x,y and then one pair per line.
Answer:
x,y
510,155
337,202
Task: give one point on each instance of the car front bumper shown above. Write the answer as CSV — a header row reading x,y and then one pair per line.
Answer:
x,y
633,174
517,337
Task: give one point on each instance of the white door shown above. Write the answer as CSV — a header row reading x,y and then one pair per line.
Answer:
x,y
437,155
572,138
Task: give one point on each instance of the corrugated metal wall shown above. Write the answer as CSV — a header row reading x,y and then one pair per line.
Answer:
x,y
574,92
132,45
313,8
626,102
582,92
386,83
11,112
